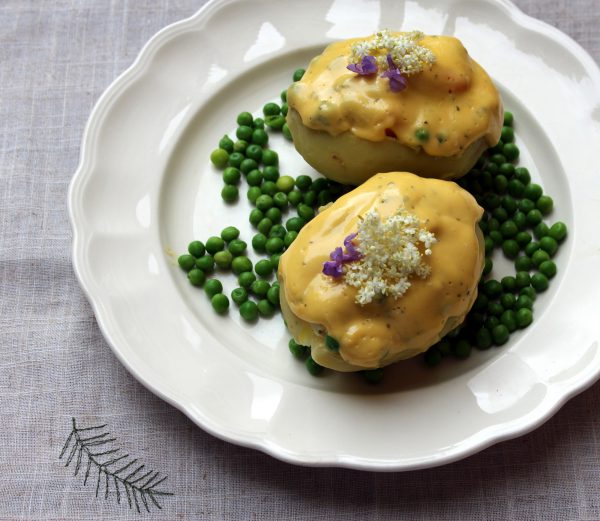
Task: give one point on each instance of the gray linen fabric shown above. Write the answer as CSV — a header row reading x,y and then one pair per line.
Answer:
x,y
56,58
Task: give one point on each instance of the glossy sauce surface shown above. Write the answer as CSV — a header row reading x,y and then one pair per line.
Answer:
x,y
454,100
389,329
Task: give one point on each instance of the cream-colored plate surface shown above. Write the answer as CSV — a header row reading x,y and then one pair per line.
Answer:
x,y
144,188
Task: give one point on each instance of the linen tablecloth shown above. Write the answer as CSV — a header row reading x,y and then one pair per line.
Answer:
x,y
56,58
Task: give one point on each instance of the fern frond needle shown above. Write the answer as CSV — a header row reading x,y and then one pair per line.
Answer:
x,y
111,451
137,505
154,500
132,462
98,480
117,490
128,495
93,438
107,486
143,495
72,453
88,428
100,442
137,480
134,472
87,472
62,452
160,492
154,485
113,461
78,464
147,483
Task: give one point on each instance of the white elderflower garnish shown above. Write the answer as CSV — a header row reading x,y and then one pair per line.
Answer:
x,y
391,251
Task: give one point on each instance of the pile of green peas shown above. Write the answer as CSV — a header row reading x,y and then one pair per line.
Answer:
x,y
513,222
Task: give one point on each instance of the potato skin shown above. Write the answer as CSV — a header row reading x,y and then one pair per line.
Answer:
x,y
348,159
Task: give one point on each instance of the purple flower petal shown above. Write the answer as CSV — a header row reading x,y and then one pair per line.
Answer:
x,y
333,269
397,81
366,67
337,255
352,253
391,63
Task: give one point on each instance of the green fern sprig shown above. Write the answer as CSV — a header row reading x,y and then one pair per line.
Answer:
x,y
84,446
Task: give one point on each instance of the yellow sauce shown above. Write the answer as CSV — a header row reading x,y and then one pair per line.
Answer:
x,y
390,329
454,99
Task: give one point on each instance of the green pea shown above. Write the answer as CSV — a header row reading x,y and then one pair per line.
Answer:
x,y
526,206
258,242
488,266
509,204
214,244
254,152
219,157
230,233
444,347
493,224
558,231
461,349
223,259
433,357
246,279
274,214
522,279
531,248
491,322
534,217
523,239
283,95
265,308
500,334
539,282
422,134
539,256
237,247
196,277
255,178
297,350
528,292
244,132
298,73
545,204
241,264
481,302
287,133
220,303
249,311
263,268
244,118
271,173
265,225
212,287
271,109
320,183
498,159
278,231
541,230
226,144
508,229
496,236
273,295
275,260
483,226
548,269
256,216
523,263
489,245
239,295
508,118
523,317
274,245
248,165
240,146
533,192
259,123
509,320
549,245
206,263
269,188
310,198
229,193
259,137
507,134
508,300
523,175
500,184
186,262
289,238
510,151
294,198
264,202
515,188
305,212
312,367
280,200
331,343
524,302
495,309
270,157
253,194
285,183
235,159
275,122
260,287
492,288
520,220
483,339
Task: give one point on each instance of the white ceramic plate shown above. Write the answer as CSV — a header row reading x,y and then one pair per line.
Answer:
x,y
144,188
